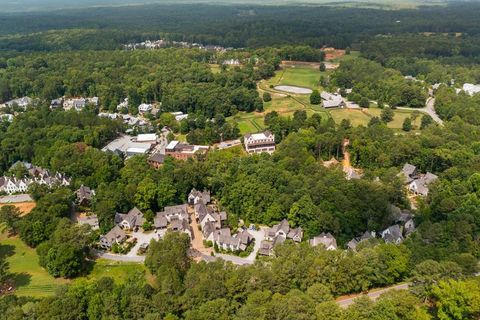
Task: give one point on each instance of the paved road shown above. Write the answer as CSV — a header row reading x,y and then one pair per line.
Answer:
x,y
429,109
16,198
118,257
374,295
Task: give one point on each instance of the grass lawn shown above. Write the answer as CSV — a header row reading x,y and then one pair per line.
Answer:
x,y
30,278
400,116
119,271
356,117
299,76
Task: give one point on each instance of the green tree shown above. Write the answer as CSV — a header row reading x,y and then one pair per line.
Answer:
x,y
364,102
267,96
322,67
10,215
387,115
425,121
407,124
315,97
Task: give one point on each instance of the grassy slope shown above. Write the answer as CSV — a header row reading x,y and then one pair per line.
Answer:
x,y
33,280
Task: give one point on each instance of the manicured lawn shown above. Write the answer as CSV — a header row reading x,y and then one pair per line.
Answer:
x,y
297,76
400,116
357,117
119,271
30,278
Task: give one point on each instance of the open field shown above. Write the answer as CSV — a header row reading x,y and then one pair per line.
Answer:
x,y
119,271
30,278
358,117
300,76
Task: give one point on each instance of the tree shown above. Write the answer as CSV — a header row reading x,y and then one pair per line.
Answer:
x,y
267,96
10,215
4,270
315,97
170,252
407,124
456,300
322,67
364,102
426,121
387,115
374,121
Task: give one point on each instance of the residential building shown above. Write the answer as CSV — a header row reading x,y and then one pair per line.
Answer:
x,y
259,142
128,146
183,151
409,172
22,102
7,117
145,107
325,239
179,116
278,234
84,195
123,105
196,196
182,226
392,234
131,220
420,186
352,244
56,103
471,89
226,241
114,236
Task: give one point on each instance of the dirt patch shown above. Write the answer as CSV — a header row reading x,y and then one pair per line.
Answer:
x,y
25,207
332,53
313,65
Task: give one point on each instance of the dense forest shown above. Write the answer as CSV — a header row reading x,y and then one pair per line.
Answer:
x,y
231,26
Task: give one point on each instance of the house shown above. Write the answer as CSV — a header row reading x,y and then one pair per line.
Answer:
x,y
183,151
146,138
352,244
84,196
409,227
123,105
325,239
56,103
471,89
156,160
420,186
196,196
283,230
178,212
392,234
231,62
179,116
20,102
409,172
131,220
332,100
224,239
278,234
114,236
208,230
259,142
182,226
91,220
145,107
352,174
75,103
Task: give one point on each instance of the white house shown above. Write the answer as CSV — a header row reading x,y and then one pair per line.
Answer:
x,y
145,107
259,142
332,100
325,239
471,89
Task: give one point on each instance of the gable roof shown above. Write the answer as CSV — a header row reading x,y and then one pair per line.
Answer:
x,y
324,238
116,234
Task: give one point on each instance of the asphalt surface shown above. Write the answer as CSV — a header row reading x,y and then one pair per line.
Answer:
x,y
374,295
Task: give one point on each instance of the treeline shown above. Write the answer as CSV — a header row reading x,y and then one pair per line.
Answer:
x,y
231,26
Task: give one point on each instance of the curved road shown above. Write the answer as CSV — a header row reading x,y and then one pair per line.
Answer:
x,y
429,109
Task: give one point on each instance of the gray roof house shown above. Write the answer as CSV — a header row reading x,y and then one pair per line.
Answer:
x,y
420,186
393,234
278,234
325,239
181,226
131,220
84,195
408,172
196,196
224,239
352,244
116,235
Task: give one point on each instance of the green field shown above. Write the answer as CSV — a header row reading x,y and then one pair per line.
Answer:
x,y
358,117
299,76
32,280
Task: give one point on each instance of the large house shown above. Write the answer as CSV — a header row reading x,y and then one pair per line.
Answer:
x,y
417,183
325,239
84,196
156,160
182,226
352,244
131,220
175,216
114,236
22,102
471,89
79,103
259,142
225,240
145,107
196,196
278,234
332,100
393,234
184,151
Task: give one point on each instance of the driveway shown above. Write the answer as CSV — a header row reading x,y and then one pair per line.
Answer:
x,y
118,257
259,236
144,238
